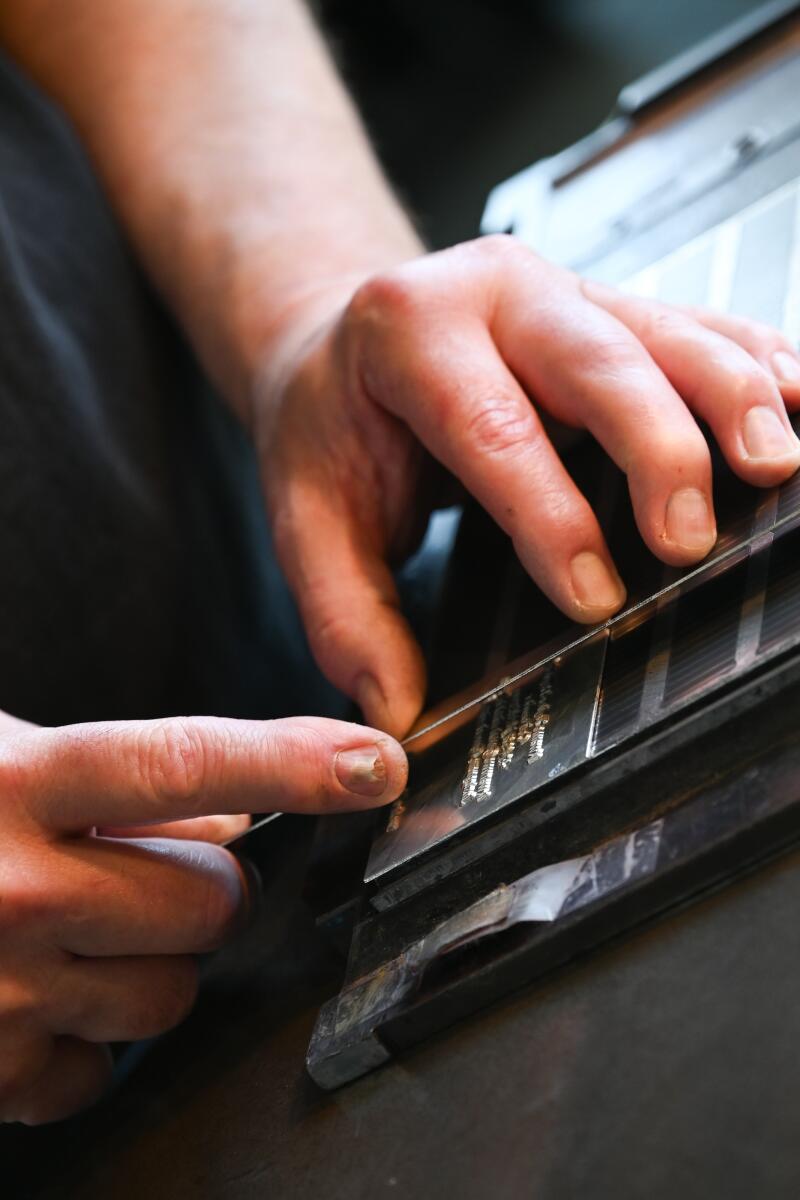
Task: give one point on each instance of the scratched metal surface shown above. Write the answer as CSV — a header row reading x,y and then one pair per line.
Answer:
x,y
566,705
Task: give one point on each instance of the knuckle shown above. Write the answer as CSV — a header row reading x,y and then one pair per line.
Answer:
x,y
758,337
330,631
21,1062
500,246
334,635
753,387
221,907
24,900
661,323
779,341
75,1075
18,1004
284,527
298,740
672,455
608,357
13,774
568,516
167,1004
390,296
500,427
174,763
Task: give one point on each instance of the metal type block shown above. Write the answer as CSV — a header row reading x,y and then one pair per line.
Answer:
x,y
522,737
734,800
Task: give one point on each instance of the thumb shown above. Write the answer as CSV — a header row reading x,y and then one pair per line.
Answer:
x,y
351,613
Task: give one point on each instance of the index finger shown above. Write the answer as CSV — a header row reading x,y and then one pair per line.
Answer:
x,y
456,393
137,772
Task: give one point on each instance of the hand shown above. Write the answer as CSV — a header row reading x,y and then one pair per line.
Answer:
x,y
103,904
454,359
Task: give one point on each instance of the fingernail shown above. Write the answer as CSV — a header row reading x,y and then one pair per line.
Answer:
x,y
786,366
689,522
765,435
594,584
361,770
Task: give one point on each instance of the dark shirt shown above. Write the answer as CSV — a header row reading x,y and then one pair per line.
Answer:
x,y
135,576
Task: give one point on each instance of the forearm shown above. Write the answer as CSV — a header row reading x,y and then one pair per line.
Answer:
x,y
231,153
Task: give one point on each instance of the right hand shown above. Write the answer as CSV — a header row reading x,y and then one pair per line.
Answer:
x,y
448,366
100,912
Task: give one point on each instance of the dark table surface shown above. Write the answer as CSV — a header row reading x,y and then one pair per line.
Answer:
x,y
664,1065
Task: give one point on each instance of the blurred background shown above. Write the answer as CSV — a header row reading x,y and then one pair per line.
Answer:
x,y
460,94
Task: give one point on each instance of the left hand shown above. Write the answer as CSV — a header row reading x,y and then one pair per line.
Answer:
x,y
109,883
447,362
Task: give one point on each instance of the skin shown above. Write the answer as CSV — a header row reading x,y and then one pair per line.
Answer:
x,y
110,882
371,376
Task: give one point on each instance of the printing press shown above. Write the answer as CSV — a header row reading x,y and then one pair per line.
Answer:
x,y
592,780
